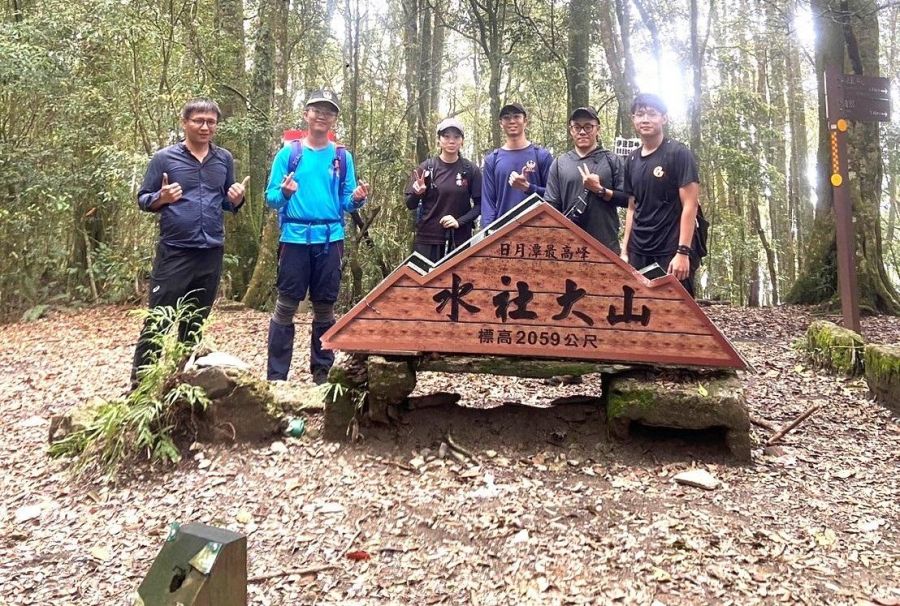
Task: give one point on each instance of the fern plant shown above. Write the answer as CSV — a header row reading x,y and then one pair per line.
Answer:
x,y
144,422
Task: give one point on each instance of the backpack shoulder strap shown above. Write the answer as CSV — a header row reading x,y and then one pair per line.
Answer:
x,y
296,155
340,155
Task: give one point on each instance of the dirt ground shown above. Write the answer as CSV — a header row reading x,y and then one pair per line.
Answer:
x,y
554,511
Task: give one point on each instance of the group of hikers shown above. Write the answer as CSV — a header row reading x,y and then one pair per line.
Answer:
x,y
313,183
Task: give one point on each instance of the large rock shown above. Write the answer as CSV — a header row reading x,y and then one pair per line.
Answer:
x,y
243,407
883,374
836,348
682,401
390,383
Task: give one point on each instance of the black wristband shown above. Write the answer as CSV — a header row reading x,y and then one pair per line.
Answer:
x,y
683,250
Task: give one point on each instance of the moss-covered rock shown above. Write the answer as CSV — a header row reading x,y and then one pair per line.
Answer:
x,y
390,383
834,347
243,407
683,401
882,364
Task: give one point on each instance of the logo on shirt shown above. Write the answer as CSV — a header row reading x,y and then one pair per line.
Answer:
x,y
461,181
529,167
658,172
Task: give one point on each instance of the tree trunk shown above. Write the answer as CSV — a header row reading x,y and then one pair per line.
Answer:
x,y
261,289
231,80
262,96
847,35
799,204
411,73
423,123
578,74
696,106
623,86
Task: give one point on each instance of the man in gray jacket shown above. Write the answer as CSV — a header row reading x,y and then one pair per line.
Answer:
x,y
586,182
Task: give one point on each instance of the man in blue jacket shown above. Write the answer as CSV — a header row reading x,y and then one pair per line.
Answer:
x,y
190,185
515,171
312,198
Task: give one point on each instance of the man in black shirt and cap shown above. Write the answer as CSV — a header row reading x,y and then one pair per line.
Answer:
x,y
662,180
586,182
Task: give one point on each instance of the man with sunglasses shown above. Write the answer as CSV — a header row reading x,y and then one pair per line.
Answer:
x,y
586,182
662,180
190,185
516,170
312,235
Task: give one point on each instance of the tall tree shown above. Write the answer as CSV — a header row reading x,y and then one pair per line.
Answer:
x,y
578,73
614,36
847,35
262,97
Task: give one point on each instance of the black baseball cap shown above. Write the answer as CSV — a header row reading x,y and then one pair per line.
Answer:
x,y
587,112
323,95
513,108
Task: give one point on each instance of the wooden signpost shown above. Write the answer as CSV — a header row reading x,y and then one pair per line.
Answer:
x,y
539,286
857,98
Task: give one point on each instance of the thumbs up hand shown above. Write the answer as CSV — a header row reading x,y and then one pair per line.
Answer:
x,y
237,190
519,181
169,193
361,192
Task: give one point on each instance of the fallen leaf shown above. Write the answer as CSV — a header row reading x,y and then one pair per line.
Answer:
x,y
358,556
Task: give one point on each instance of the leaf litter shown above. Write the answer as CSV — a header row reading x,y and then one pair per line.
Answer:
x,y
546,509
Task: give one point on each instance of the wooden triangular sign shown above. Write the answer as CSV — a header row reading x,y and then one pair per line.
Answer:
x,y
537,286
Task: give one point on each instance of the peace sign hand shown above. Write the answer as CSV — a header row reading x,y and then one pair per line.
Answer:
x,y
169,193
418,185
288,186
591,180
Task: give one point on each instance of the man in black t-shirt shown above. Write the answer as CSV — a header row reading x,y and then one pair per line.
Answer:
x,y
662,180
445,192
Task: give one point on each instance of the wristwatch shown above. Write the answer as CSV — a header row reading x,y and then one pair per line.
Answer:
x,y
683,250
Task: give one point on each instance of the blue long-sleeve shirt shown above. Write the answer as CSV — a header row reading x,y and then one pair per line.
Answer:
x,y
497,195
315,213
197,219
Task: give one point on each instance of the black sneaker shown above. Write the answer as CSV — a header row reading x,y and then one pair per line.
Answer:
x,y
320,375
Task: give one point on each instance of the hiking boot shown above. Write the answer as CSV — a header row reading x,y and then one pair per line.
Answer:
x,y
320,375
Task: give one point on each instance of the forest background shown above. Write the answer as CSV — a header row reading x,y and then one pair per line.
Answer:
x,y
89,90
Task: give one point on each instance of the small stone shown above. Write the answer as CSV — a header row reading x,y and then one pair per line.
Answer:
x,y
417,462
27,513
101,553
33,422
331,508
699,478
519,537
244,517
490,453
278,447
204,463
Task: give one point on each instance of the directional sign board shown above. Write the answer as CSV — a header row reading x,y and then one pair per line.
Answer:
x,y
858,98
539,286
